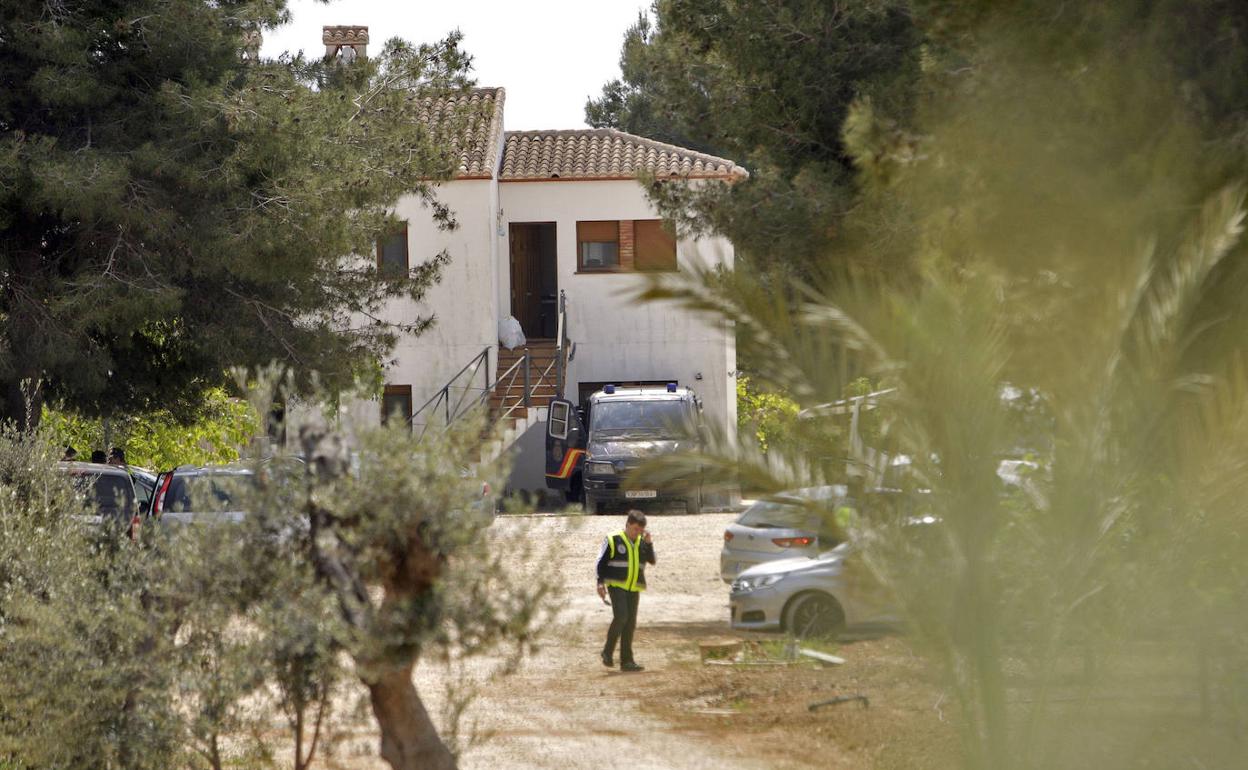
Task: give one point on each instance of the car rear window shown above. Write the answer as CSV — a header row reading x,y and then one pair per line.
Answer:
x,y
110,495
208,493
767,514
771,515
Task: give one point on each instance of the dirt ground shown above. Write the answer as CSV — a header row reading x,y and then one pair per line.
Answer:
x,y
563,709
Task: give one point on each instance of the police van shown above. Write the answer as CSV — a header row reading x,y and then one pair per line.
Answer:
x,y
591,450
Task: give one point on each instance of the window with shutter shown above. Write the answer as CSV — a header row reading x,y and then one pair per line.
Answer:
x,y
598,245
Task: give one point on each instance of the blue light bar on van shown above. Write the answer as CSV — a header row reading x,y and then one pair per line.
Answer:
x,y
671,387
608,389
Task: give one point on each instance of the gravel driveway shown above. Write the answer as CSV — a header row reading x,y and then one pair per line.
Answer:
x,y
562,709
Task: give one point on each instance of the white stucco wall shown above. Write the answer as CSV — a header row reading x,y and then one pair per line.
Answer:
x,y
618,338
462,303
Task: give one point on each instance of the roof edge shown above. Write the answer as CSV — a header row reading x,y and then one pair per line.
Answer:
x,y
735,171
728,177
498,133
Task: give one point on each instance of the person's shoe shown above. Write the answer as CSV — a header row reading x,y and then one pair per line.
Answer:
x,y
630,666
606,661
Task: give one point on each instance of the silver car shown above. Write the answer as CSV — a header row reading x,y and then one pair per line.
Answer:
x,y
206,494
782,529
809,597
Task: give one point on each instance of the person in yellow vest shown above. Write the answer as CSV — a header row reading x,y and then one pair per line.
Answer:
x,y
622,574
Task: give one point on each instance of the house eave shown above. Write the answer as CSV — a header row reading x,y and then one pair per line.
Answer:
x,y
623,178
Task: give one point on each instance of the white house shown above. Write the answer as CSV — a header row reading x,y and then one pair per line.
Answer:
x,y
550,220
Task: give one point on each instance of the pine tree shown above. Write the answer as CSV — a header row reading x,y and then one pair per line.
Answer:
x,y
171,207
768,85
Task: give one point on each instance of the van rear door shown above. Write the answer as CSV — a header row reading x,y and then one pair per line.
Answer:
x,y
565,444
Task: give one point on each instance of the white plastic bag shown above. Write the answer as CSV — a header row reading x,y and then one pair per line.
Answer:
x,y
510,335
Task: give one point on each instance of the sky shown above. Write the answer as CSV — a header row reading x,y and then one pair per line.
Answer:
x,y
550,55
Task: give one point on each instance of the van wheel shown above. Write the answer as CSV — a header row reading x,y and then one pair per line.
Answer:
x,y
814,615
591,503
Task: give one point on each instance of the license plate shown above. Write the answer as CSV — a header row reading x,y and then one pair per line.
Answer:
x,y
634,494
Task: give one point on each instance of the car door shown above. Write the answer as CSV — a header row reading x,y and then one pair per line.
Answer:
x,y
867,599
565,444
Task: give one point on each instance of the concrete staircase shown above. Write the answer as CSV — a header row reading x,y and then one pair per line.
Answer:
x,y
510,390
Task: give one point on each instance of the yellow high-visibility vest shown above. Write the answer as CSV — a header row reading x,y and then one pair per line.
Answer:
x,y
624,563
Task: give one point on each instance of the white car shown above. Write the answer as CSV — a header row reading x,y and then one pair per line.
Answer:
x,y
810,597
797,523
206,494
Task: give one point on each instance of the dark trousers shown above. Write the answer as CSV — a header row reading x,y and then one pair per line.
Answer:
x,y
623,623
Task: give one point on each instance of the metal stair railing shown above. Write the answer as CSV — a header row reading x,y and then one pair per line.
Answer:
x,y
552,375
555,374
440,404
562,349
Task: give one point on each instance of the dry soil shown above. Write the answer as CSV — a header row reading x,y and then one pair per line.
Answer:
x,y
563,709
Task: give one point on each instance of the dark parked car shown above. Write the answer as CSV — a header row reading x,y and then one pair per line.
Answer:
x,y
108,493
144,484
621,428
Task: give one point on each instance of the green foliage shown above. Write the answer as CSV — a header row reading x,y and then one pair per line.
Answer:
x,y
170,209
1073,193
768,85
81,682
193,647
158,440
769,417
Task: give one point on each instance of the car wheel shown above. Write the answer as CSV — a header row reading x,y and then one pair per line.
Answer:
x,y
591,503
813,616
693,503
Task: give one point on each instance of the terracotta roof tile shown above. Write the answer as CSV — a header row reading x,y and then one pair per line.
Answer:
x,y
604,153
471,122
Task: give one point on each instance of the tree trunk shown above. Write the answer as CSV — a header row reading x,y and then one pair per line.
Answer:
x,y
22,304
23,400
409,741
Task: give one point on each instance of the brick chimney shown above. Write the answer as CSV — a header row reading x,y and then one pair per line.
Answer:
x,y
345,42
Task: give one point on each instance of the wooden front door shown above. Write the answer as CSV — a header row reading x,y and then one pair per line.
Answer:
x,y
526,278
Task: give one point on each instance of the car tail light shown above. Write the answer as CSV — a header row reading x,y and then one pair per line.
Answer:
x,y
135,523
159,496
727,535
792,542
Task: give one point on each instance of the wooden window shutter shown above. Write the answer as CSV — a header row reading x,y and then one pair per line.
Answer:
x,y
598,231
655,245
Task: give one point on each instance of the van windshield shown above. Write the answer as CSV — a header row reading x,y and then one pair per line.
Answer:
x,y
671,419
